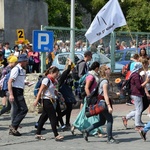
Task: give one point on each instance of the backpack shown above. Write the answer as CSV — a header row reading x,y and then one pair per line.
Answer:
x,y
75,71
1,70
125,69
126,87
81,84
4,80
2,77
38,84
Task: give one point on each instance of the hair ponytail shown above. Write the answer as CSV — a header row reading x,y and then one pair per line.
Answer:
x,y
102,71
51,69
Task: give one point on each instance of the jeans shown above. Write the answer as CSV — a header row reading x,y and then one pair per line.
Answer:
x,y
30,68
147,127
18,107
105,115
137,113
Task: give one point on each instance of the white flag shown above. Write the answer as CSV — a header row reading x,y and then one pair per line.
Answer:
x,y
107,19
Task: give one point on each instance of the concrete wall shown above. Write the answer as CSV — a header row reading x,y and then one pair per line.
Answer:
x,y
1,36
24,14
1,14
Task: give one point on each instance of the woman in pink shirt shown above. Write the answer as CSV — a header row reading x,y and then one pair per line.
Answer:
x,y
82,122
36,57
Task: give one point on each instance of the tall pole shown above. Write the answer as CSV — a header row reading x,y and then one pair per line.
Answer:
x,y
113,39
43,58
72,32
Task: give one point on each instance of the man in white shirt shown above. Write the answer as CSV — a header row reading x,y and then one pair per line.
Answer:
x,y
16,87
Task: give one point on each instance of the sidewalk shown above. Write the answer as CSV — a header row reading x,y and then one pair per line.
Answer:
x,y
129,138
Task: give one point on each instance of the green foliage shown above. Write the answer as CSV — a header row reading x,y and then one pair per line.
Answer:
x,y
138,17
59,14
137,12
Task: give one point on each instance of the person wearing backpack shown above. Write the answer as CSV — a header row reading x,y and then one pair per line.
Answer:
x,y
47,92
16,84
58,99
82,122
126,71
12,60
83,68
137,93
106,114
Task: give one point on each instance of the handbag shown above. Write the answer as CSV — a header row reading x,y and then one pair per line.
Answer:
x,y
95,109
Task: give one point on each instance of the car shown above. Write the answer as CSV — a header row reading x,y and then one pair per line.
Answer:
x,y
60,60
123,56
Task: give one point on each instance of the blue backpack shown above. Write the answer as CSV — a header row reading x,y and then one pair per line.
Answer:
x,y
6,78
38,84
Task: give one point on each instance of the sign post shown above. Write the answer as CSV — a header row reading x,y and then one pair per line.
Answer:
x,y
43,42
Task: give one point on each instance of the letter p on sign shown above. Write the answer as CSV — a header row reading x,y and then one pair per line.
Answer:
x,y
43,41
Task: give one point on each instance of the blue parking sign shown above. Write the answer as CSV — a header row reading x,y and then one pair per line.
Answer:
x,y
42,41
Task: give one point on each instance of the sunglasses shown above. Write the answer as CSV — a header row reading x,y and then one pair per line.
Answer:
x,y
107,69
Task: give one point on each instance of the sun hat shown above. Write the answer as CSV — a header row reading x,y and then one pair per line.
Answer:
x,y
137,66
22,57
12,59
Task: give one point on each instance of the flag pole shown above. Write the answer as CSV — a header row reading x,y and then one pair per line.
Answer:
x,y
131,37
129,32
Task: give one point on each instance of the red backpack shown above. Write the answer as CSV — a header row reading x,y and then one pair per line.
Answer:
x,y
126,69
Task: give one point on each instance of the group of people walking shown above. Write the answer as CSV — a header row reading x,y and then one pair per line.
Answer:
x,y
139,76
55,83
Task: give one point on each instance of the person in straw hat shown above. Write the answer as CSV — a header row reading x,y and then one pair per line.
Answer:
x,y
12,61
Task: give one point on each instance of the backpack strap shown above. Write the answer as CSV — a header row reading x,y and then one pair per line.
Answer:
x,y
48,84
100,83
18,70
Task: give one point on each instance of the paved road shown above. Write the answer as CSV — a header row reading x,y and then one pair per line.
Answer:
x,y
129,139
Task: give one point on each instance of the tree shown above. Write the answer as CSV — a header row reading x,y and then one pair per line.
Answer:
x,y
136,12
138,15
59,14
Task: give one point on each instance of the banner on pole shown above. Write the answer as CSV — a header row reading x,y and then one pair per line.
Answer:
x,y
107,19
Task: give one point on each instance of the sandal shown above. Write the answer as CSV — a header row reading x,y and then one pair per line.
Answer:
x,y
40,137
72,129
59,138
102,135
